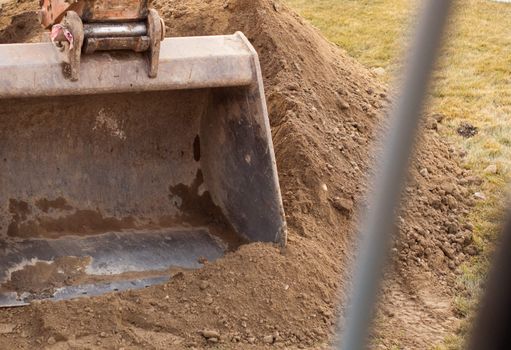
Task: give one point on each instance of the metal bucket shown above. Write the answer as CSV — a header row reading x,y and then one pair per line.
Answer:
x,y
116,180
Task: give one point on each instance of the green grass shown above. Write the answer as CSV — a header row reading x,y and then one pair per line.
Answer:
x,y
472,84
369,30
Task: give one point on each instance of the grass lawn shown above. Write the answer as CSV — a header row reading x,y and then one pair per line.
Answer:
x,y
472,84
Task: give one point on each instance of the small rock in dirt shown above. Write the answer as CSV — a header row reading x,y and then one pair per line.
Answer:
x,y
342,103
388,312
213,340
468,226
102,334
325,312
438,117
208,333
436,203
293,86
428,252
276,336
448,252
471,250
236,339
480,195
468,239
452,202
474,180
182,12
379,71
204,285
344,205
268,339
208,300
251,340
492,169
448,188
431,124
424,172
452,228
51,341
467,130
276,6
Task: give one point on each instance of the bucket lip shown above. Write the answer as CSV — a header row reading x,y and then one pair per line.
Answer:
x,y
35,69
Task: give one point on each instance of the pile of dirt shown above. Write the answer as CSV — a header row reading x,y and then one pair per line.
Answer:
x,y
435,232
325,112
19,22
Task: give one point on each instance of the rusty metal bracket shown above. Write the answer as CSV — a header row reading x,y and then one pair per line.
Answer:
x,y
155,30
92,37
74,24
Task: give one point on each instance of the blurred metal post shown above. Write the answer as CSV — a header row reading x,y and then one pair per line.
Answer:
x,y
389,182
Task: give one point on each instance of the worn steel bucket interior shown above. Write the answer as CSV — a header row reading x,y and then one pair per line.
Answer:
x,y
138,180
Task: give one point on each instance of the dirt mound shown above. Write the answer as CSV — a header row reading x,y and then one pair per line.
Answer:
x,y
325,110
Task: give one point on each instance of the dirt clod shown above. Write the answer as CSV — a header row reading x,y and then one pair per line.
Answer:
x,y
204,285
491,169
207,333
467,130
344,205
269,339
6,328
208,300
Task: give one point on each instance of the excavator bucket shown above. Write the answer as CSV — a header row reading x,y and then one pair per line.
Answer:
x,y
119,181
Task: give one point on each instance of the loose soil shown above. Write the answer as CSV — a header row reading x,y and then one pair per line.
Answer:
x,y
326,111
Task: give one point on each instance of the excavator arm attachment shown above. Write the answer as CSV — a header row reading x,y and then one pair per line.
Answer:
x,y
87,26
